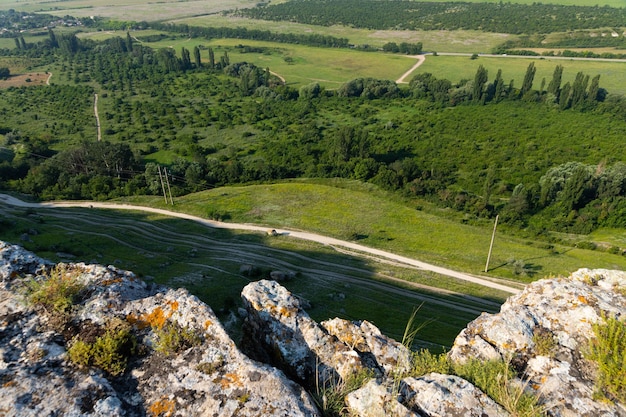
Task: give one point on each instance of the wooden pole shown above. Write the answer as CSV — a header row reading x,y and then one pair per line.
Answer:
x,y
493,236
162,184
167,180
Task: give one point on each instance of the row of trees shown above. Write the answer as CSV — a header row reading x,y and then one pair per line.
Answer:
x,y
491,17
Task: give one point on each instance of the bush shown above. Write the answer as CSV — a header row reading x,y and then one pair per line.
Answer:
x,y
608,350
56,292
109,352
173,338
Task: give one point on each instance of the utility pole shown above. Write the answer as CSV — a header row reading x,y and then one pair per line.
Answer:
x,y
167,180
162,184
493,236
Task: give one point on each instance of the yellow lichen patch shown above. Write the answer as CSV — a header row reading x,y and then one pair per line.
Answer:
x,y
207,324
582,299
8,384
163,407
173,305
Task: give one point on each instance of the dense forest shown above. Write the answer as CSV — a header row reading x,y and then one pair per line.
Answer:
x,y
544,159
412,15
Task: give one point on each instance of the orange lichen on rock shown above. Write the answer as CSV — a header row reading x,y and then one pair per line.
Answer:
x,y
163,407
173,305
582,299
230,378
207,324
156,318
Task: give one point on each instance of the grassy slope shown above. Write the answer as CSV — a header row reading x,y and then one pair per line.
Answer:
x,y
384,222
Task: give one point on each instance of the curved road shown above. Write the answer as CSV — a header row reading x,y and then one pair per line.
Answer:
x,y
296,234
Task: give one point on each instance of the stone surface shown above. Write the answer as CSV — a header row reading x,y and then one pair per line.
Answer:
x,y
278,331
211,378
437,395
562,310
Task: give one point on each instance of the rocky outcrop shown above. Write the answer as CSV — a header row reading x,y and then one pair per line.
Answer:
x,y
181,361
210,377
544,331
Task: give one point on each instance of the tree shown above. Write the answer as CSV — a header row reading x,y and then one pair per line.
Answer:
x,y
555,84
129,42
196,57
211,58
5,73
594,88
579,89
527,84
479,82
498,87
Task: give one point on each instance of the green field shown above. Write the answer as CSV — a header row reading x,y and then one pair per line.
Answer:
x,y
456,68
139,10
207,261
385,222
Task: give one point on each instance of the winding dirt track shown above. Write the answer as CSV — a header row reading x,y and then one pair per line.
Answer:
x,y
295,234
420,61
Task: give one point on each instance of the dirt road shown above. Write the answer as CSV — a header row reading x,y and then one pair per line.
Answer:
x,y
295,234
420,61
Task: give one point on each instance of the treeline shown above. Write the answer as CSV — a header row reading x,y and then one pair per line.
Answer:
x,y
312,39
582,94
411,15
571,40
229,123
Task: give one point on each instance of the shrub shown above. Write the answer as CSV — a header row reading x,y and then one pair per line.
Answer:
x,y
109,352
424,362
495,378
330,393
57,292
544,341
173,338
608,350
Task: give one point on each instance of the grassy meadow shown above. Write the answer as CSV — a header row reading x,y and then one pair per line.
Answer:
x,y
385,222
456,68
207,261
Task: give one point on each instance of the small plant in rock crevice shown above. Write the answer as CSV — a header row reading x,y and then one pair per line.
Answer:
x,y
56,293
109,351
608,350
173,338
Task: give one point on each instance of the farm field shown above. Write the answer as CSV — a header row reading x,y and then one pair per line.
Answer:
x,y
444,41
140,9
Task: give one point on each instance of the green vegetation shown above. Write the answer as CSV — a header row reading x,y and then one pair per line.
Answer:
x,y
330,393
608,350
173,338
56,293
108,348
488,17
494,378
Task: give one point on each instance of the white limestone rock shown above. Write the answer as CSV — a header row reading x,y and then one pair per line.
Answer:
x,y
278,331
210,378
437,395
562,310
